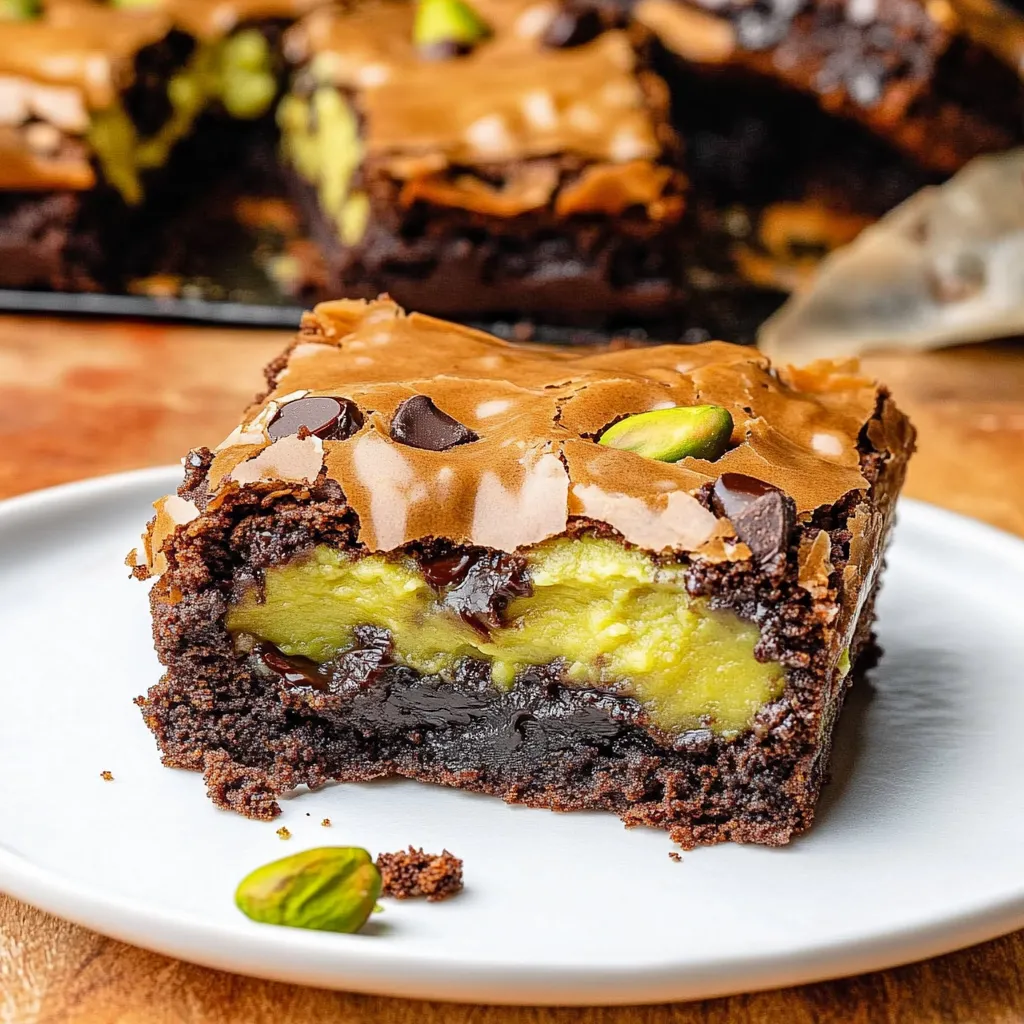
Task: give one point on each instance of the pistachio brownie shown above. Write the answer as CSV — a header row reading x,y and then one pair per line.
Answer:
x,y
637,580
915,73
476,162
97,104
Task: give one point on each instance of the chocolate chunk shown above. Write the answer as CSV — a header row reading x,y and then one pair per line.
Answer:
x,y
762,515
420,424
295,671
444,571
573,25
486,588
333,419
360,665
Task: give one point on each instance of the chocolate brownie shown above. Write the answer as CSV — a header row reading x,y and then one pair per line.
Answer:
x,y
517,173
906,69
636,580
668,166
95,102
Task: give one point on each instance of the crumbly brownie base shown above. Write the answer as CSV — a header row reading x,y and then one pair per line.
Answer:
x,y
542,744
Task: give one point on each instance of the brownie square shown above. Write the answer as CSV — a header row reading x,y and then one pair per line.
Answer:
x,y
96,102
636,580
521,178
911,72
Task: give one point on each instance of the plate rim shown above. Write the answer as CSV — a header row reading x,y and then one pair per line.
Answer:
x,y
351,963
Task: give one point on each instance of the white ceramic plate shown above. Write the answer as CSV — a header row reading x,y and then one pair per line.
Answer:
x,y
917,849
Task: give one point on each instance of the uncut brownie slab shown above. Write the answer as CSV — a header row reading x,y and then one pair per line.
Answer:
x,y
425,552
519,176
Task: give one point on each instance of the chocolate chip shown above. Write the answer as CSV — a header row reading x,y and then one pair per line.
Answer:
x,y
443,572
361,664
420,424
573,25
333,419
295,671
762,515
487,586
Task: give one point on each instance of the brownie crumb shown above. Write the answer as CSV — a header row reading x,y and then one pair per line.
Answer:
x,y
326,823
676,857
283,833
414,873
107,776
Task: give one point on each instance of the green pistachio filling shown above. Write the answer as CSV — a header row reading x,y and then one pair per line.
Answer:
x,y
320,139
616,617
236,72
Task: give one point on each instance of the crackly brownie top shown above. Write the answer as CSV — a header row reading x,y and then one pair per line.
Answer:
x,y
77,57
91,47
875,60
435,430
83,52
515,96
210,19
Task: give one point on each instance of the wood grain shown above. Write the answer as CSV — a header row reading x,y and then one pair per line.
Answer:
x,y
83,398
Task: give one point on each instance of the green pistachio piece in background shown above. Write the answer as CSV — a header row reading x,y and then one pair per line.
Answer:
x,y
134,3
447,25
668,435
331,888
19,10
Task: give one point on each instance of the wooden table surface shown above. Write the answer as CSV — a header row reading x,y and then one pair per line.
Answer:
x,y
83,398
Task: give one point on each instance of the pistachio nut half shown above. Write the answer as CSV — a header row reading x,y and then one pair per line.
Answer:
x,y
668,435
330,888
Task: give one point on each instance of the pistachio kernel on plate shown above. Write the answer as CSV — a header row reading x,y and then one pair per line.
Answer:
x,y
668,435
447,28
330,888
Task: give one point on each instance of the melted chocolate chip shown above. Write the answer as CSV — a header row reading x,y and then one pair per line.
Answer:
x,y
360,665
420,424
333,419
354,668
573,25
444,571
295,671
486,587
762,515
733,492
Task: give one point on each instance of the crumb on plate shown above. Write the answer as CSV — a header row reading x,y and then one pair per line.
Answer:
x,y
412,872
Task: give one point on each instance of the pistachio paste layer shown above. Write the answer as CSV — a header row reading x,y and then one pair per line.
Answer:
x,y
614,616
236,72
320,139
